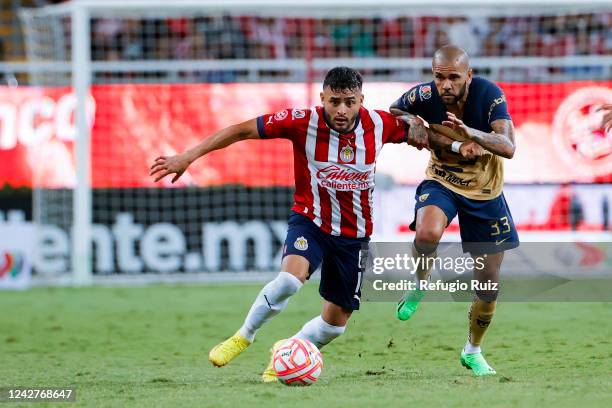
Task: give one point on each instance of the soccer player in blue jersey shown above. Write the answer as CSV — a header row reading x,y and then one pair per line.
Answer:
x,y
476,110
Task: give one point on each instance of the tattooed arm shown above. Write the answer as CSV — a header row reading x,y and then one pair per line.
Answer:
x,y
417,132
435,140
499,142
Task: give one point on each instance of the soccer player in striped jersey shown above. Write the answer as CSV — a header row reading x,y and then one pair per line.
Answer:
x,y
476,110
335,148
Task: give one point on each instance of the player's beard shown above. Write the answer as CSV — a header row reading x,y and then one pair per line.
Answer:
x,y
346,125
458,97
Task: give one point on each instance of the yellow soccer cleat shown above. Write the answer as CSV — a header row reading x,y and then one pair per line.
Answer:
x,y
228,350
269,374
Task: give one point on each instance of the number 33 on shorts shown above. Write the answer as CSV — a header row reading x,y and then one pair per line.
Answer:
x,y
501,226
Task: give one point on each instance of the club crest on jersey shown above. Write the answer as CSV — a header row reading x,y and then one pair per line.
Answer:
x,y
298,114
347,154
412,96
425,92
280,115
423,197
301,244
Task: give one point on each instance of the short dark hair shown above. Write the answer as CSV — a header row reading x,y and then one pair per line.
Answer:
x,y
343,78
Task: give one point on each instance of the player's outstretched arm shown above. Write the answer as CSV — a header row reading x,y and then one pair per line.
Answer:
x,y
434,140
177,164
499,142
418,135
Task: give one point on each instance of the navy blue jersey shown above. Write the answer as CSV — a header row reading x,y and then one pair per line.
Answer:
x,y
485,103
481,178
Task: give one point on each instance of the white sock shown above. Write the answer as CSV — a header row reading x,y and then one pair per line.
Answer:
x,y
271,300
319,332
470,348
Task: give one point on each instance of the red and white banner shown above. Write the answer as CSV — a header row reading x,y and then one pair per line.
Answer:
x,y
558,133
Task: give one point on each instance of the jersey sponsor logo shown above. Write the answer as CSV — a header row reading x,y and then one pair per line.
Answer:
x,y
335,177
301,244
270,118
423,197
577,132
281,115
450,177
298,114
425,92
347,154
412,96
496,102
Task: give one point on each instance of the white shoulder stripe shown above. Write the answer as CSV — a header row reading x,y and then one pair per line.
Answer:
x,y
332,157
378,129
311,144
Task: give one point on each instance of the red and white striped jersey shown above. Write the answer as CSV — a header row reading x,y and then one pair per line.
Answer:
x,y
334,172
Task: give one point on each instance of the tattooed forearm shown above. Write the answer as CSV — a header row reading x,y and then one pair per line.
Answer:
x,y
417,132
500,141
399,112
438,141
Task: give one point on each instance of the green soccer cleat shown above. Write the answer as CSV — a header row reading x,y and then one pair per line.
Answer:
x,y
477,364
409,304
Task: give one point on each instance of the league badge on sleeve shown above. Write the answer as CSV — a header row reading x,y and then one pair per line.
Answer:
x,y
280,115
298,114
425,92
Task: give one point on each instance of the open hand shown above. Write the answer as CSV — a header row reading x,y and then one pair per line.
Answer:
x,y
165,165
457,125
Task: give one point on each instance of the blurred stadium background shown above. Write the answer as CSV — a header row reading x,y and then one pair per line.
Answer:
x,y
92,91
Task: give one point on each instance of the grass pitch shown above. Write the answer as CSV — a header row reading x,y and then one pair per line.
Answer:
x,y
148,347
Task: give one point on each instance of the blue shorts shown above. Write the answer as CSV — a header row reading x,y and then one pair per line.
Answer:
x,y
341,259
486,225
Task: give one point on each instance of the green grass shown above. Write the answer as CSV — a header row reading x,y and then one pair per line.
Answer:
x,y
148,346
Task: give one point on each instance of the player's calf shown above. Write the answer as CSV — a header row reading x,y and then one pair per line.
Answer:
x,y
319,332
409,304
270,301
480,315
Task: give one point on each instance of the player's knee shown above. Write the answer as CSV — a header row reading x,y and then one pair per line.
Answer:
x,y
427,239
297,266
487,295
283,286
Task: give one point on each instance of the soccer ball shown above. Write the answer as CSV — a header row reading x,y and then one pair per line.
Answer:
x,y
297,362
